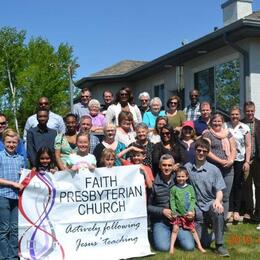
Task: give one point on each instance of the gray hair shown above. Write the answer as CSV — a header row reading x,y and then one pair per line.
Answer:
x,y
166,157
109,125
156,99
94,103
141,125
145,94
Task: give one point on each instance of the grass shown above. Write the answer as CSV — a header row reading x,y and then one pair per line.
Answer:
x,y
242,241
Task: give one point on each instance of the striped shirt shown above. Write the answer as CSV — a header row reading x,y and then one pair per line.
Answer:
x,y
10,168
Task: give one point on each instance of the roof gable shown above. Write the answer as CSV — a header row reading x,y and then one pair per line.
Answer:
x,y
119,68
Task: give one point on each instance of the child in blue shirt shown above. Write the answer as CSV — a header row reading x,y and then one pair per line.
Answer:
x,y
11,164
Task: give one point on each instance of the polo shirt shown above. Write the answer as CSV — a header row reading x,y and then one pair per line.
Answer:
x,y
200,125
206,181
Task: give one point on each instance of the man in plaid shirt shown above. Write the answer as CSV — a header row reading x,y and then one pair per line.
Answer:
x,y
192,111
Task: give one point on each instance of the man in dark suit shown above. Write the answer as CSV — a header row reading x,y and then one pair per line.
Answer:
x,y
254,173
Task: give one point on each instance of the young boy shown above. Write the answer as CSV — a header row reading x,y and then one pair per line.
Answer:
x,y
182,201
11,164
137,156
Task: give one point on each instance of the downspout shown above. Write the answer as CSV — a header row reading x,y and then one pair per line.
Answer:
x,y
245,55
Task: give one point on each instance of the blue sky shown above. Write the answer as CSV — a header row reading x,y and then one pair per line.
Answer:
x,y
104,32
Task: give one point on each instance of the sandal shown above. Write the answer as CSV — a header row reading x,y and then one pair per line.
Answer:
x,y
246,218
230,217
236,217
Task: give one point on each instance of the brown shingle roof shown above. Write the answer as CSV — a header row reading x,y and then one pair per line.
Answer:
x,y
254,16
119,68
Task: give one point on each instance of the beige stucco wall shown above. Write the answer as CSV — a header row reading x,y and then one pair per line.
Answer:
x,y
167,77
254,80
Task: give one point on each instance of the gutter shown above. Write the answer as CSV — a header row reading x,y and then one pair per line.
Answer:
x,y
245,55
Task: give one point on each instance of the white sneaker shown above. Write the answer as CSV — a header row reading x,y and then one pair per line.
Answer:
x,y
258,227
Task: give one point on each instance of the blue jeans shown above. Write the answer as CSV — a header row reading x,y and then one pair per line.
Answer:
x,y
8,228
162,237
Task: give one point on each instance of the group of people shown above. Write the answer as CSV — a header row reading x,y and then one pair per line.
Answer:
x,y
196,166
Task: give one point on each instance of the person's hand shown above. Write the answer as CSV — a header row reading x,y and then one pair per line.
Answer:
x,y
217,206
136,149
167,213
54,170
17,185
176,166
174,215
246,166
91,167
228,164
223,162
94,129
190,215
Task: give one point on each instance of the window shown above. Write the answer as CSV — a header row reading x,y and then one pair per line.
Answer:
x,y
204,82
220,85
159,92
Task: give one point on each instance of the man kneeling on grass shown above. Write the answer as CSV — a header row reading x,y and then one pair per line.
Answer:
x,y
208,184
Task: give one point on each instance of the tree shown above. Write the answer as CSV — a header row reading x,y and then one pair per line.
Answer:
x,y
12,53
36,69
227,85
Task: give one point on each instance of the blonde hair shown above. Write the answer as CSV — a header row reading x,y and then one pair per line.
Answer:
x,y
107,152
82,133
9,132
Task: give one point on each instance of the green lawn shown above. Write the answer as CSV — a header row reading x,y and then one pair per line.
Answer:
x,y
242,241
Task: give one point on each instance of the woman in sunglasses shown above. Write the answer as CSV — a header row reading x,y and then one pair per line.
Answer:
x,y
124,101
169,145
175,116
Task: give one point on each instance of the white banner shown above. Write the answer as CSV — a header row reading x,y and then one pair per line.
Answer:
x,y
91,215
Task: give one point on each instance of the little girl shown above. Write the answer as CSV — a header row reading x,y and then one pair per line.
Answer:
x,y
45,160
82,159
108,158
182,202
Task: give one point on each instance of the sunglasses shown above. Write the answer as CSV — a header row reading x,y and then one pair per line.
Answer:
x,y
173,102
204,151
194,95
3,123
124,94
